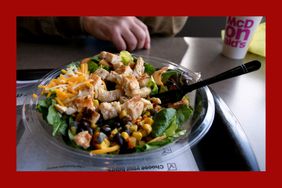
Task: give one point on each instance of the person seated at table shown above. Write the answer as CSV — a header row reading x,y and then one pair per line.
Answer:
x,y
126,32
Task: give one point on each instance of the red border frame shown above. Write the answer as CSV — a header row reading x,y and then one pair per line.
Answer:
x,y
126,7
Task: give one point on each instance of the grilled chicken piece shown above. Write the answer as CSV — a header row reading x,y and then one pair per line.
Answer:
x,y
110,110
124,70
139,67
143,92
84,102
102,73
156,100
96,81
83,139
63,109
108,96
114,77
147,104
85,93
143,80
94,118
183,101
103,62
102,54
157,75
116,65
134,107
130,84
112,58
123,99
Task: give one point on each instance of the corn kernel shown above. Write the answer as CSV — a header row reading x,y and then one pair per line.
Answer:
x,y
149,121
133,128
156,100
93,125
125,135
141,123
104,144
147,113
143,132
115,131
147,128
157,108
34,96
138,135
96,103
63,71
138,121
122,114
41,87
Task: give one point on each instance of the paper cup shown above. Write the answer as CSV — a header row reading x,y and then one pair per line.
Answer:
x,y
239,31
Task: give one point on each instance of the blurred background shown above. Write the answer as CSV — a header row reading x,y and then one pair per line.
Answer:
x,y
203,26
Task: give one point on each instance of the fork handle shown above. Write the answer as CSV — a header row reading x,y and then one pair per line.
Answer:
x,y
239,70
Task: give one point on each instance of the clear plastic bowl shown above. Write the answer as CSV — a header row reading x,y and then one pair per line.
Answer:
x,y
198,125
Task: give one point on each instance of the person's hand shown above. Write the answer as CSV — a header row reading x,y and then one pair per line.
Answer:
x,y
126,33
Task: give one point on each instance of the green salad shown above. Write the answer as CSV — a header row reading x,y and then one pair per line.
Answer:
x,y
104,104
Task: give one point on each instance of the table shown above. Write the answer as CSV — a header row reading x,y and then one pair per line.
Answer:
x,y
244,95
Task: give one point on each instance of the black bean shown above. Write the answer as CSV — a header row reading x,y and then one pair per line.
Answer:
x,y
101,136
106,129
119,139
117,124
100,121
127,130
126,120
84,123
87,113
80,129
74,124
123,149
90,130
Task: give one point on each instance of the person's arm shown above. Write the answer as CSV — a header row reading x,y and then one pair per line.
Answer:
x,y
125,32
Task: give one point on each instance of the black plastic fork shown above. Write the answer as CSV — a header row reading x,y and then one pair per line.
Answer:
x,y
177,95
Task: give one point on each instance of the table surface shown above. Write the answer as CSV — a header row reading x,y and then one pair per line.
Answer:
x,y
244,95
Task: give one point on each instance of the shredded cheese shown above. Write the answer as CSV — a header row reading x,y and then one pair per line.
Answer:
x,y
105,150
59,101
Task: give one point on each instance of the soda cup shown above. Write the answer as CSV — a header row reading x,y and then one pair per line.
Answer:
x,y
239,31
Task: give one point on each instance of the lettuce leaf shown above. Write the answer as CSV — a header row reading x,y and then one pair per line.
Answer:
x,y
162,121
150,69
153,145
170,131
92,66
152,84
168,74
95,58
55,119
183,113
